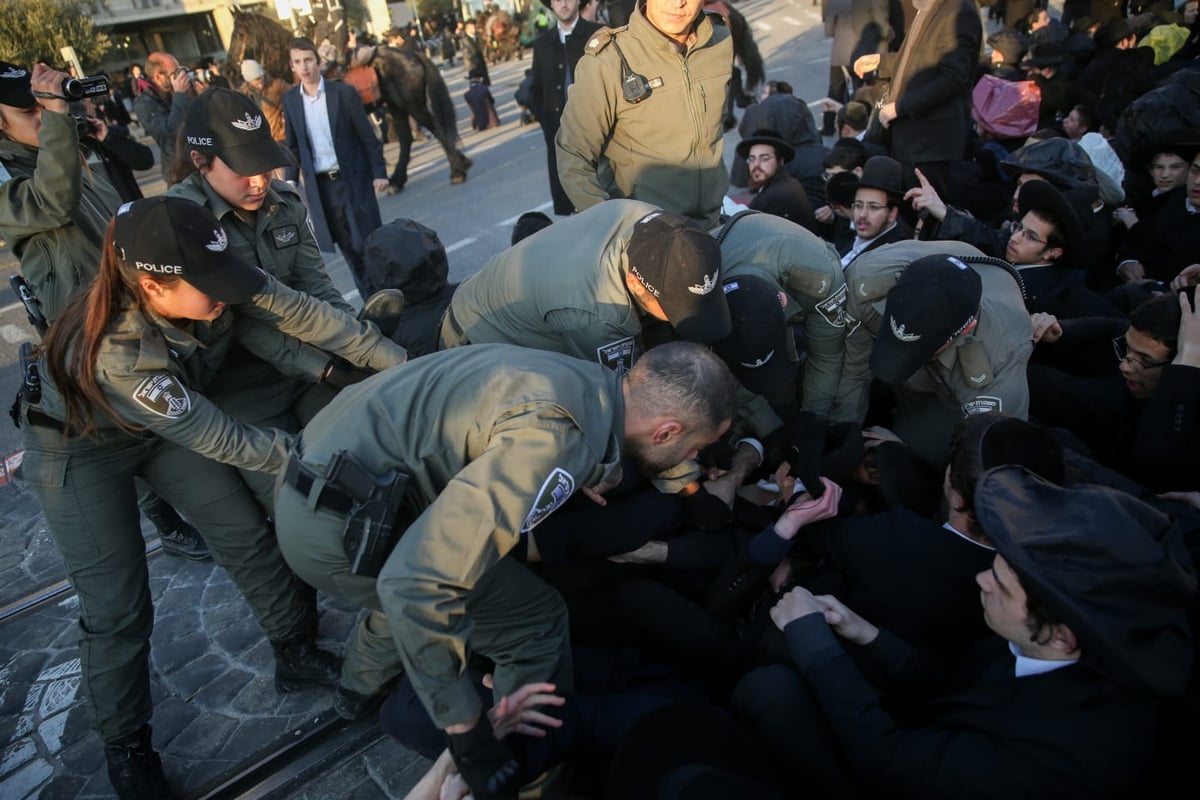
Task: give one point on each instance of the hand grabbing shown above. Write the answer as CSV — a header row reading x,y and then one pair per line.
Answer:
x,y
804,510
1045,327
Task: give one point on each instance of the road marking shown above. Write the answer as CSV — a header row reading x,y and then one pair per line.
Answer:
x,y
351,296
759,25
459,245
791,21
508,223
13,334
11,306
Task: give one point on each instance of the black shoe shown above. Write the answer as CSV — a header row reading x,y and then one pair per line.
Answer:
x,y
300,664
383,308
184,542
354,706
134,769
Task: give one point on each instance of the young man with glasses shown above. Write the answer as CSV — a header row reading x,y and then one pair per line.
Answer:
x,y
776,191
876,208
1147,428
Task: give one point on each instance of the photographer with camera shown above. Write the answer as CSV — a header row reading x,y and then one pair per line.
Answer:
x,y
163,104
110,148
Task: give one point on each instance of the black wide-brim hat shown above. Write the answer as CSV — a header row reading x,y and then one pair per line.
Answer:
x,y
1048,54
1111,568
1184,142
765,136
1043,198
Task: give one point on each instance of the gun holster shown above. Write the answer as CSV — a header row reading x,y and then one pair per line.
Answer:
x,y
373,524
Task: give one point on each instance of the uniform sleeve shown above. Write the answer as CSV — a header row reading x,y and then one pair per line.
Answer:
x,y
309,274
584,332
824,345
317,323
850,403
1008,390
46,200
158,401
534,463
285,353
587,123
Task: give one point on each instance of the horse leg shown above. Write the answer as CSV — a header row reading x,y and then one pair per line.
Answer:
x,y
459,163
405,137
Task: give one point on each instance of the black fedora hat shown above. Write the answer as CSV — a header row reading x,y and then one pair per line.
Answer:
x,y
770,137
1043,198
840,188
882,173
1111,568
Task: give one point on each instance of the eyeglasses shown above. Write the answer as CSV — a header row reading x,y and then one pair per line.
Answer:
x,y
1028,235
1121,349
760,159
872,207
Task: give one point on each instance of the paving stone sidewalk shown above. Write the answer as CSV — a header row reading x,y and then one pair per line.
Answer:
x,y
212,680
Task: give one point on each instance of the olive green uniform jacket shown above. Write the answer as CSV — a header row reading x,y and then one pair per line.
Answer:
x,y
53,212
809,272
495,438
665,149
979,372
153,373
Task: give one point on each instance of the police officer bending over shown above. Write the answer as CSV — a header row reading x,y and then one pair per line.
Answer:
x,y
119,400
406,493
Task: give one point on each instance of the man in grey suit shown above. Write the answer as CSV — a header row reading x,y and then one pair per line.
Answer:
x,y
339,157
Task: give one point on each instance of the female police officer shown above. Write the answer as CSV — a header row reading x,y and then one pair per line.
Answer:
x,y
224,161
122,370
53,211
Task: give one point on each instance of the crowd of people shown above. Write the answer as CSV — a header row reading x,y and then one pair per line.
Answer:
x,y
867,468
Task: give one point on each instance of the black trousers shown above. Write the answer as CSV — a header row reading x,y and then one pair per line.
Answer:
x,y
562,204
335,201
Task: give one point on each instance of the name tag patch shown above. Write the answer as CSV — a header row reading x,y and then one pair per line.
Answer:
x,y
618,355
285,236
557,489
163,395
982,405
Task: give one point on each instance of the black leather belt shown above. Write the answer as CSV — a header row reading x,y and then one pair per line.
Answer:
x,y
301,478
333,174
454,326
37,418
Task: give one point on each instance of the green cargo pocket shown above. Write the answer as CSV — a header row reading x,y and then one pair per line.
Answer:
x,y
47,470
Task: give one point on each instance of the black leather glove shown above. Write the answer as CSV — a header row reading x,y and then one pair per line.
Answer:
x,y
485,762
340,373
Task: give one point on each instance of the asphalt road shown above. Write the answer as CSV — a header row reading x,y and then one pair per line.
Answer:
x,y
474,220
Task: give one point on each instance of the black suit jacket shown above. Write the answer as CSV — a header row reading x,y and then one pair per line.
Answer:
x,y
785,197
933,107
549,72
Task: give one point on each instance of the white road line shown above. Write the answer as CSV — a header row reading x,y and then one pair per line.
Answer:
x,y
791,21
459,245
508,223
11,306
351,296
759,25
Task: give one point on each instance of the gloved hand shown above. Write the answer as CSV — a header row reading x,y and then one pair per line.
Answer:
x,y
340,373
799,441
485,762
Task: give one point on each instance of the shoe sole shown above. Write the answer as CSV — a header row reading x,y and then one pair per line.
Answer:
x,y
185,555
289,686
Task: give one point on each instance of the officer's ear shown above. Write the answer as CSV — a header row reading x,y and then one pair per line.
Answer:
x,y
666,431
150,287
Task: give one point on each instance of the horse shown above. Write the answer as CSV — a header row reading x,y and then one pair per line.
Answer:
x,y
412,86
262,39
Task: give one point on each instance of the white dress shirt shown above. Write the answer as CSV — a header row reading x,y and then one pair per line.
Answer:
x,y
316,119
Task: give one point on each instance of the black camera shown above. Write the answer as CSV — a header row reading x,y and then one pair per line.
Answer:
x,y
83,126
79,88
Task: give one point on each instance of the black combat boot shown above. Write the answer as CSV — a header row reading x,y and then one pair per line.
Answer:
x,y
178,538
134,769
300,664
383,308
351,705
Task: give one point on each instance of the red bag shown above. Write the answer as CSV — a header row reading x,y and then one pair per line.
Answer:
x,y
366,81
1006,109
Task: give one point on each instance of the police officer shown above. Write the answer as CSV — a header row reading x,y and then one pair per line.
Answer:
x,y
123,370
53,213
808,272
588,285
491,439
648,101
225,165
946,328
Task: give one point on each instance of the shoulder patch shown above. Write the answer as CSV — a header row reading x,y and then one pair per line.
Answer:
x,y
809,282
600,39
285,236
556,490
163,395
833,308
617,355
